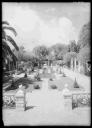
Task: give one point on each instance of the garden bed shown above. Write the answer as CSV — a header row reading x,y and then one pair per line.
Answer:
x,y
62,81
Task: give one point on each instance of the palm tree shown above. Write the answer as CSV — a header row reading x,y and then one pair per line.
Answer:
x,y
69,58
7,53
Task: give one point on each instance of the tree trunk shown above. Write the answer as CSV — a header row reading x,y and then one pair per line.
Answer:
x,y
48,62
79,66
72,63
75,64
9,65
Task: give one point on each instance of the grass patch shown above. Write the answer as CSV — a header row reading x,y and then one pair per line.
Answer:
x,y
36,86
61,83
53,86
15,84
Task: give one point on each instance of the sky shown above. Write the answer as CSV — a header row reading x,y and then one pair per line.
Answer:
x,y
45,23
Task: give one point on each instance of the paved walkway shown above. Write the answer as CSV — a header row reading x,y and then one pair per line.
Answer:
x,y
46,107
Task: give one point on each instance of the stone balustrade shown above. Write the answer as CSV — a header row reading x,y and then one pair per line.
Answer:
x,y
76,99
15,100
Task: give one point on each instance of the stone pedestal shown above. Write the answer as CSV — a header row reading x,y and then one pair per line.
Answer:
x,y
68,101
72,63
67,98
20,100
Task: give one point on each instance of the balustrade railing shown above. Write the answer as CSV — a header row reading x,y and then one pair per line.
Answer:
x,y
9,101
81,100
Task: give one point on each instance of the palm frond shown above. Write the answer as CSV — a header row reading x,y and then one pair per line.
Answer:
x,y
3,34
6,54
8,50
12,42
5,22
10,28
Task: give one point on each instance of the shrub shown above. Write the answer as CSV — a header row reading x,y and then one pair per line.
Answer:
x,y
25,76
64,75
36,87
51,79
15,83
75,85
53,86
37,77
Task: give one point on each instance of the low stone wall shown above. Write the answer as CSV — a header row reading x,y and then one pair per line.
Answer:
x,y
14,100
77,100
81,100
9,100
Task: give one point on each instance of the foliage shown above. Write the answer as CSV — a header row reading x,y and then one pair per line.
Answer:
x,y
15,83
84,54
6,50
63,74
37,77
59,50
40,52
84,43
51,79
19,54
75,85
53,86
72,47
25,76
84,37
36,87
69,55
6,78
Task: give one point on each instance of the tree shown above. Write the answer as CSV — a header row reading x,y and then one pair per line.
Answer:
x,y
84,37
51,56
20,53
68,56
41,52
7,53
84,46
59,50
72,47
84,55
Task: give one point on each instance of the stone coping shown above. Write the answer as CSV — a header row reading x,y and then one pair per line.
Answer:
x,y
9,93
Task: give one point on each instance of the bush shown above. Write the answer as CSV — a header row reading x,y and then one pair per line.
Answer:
x,y
75,85
53,86
6,79
36,87
25,76
15,83
51,79
64,75
37,77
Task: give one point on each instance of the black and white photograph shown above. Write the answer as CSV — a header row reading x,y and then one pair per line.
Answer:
x,y
46,64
